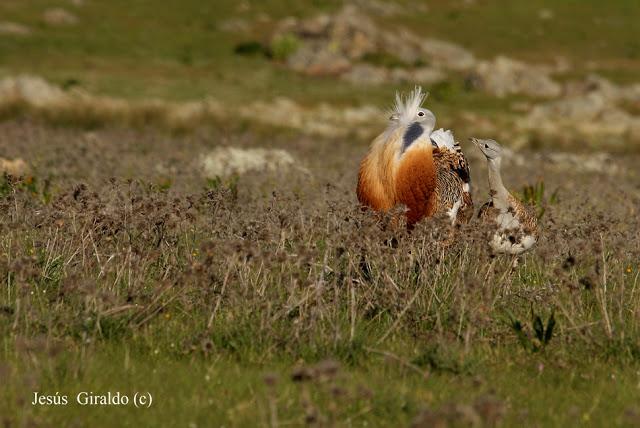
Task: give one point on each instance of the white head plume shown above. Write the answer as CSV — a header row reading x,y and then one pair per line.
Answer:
x,y
406,108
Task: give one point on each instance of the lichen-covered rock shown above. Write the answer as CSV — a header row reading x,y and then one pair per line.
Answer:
x,y
372,75
14,29
229,161
343,43
32,90
424,75
366,74
16,167
318,61
57,17
505,76
323,119
604,88
447,55
594,162
593,115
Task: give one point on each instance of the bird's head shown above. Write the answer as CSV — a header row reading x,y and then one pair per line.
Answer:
x,y
414,120
490,148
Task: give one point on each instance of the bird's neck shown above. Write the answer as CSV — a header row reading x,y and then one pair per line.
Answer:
x,y
498,191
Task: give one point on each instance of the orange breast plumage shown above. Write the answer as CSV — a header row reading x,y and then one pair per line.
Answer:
x,y
416,184
399,168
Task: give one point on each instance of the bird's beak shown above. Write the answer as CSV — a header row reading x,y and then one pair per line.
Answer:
x,y
474,141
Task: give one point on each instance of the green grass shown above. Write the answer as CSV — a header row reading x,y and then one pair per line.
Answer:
x,y
177,51
212,300
580,30
217,391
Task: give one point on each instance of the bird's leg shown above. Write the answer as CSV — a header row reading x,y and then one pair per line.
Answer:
x,y
515,262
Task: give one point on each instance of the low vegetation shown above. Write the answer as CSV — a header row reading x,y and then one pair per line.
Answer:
x,y
278,299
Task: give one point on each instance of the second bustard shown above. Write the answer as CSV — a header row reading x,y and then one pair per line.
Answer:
x,y
516,226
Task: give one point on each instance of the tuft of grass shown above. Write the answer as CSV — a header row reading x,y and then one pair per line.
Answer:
x,y
534,194
283,46
537,336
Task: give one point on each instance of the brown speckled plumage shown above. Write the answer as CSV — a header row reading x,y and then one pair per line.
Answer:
x,y
516,223
452,175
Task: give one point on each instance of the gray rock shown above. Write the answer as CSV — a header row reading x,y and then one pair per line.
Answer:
x,y
366,74
427,75
31,90
332,43
14,29
317,60
59,17
505,76
16,167
228,161
448,55
592,115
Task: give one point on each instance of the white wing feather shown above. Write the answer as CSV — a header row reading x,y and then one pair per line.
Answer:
x,y
443,138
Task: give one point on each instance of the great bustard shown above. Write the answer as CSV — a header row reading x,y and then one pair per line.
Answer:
x,y
516,225
453,181
405,166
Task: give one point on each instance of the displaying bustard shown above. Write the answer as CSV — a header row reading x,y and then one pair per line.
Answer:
x,y
453,181
406,166
516,225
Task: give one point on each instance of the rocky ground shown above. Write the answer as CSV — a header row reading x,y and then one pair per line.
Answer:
x,y
554,103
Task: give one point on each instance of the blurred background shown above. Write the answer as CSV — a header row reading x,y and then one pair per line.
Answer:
x,y
533,73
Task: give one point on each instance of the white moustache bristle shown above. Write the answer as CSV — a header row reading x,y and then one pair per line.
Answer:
x,y
405,108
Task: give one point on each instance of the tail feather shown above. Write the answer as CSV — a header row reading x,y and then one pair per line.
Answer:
x,y
443,138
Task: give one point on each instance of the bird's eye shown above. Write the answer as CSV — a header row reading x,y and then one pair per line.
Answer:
x,y
420,113
486,146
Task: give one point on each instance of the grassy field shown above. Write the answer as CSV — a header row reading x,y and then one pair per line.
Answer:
x,y
272,300
179,52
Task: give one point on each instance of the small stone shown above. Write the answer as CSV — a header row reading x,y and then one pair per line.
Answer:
x,y
31,90
366,74
16,167
228,161
448,55
505,76
59,17
545,14
14,29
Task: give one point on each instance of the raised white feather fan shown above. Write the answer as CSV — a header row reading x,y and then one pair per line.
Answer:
x,y
443,138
